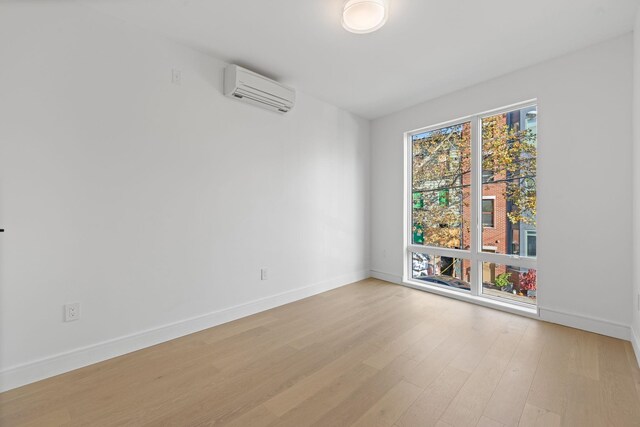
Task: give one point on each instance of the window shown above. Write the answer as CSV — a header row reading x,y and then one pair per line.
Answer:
x,y
487,175
472,205
515,284
508,143
441,187
440,270
488,211
531,243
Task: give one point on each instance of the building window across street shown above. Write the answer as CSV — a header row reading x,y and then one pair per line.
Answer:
x,y
488,211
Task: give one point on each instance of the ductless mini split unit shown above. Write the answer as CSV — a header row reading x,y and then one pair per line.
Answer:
x,y
250,87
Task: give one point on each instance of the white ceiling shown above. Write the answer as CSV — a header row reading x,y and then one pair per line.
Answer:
x,y
427,48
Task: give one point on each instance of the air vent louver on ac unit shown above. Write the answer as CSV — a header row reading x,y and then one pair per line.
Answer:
x,y
258,90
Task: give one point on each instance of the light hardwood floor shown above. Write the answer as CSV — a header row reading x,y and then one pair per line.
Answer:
x,y
367,354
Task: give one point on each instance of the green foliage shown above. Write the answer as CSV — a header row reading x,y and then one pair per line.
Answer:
x,y
502,280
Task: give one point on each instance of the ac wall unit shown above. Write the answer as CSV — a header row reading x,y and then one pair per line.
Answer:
x,y
247,86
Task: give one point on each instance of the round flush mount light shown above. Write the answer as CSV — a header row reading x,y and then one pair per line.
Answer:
x,y
364,16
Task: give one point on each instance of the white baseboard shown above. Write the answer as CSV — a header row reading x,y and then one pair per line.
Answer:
x,y
635,343
590,324
586,323
386,277
57,364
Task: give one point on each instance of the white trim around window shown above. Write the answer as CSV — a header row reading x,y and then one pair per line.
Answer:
x,y
474,255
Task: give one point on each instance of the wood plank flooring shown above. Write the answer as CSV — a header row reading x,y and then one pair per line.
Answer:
x,y
367,354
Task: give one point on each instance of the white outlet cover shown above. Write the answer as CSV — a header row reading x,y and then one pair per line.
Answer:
x,y
71,312
176,76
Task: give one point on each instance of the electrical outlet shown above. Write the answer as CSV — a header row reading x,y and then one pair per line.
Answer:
x,y
176,77
71,312
263,274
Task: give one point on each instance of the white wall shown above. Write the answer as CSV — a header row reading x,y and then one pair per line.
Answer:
x,y
635,299
151,203
584,180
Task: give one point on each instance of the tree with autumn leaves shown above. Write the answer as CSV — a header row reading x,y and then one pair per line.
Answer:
x,y
511,154
441,168
442,178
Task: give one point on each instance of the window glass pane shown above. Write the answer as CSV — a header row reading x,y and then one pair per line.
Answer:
x,y
487,220
508,282
441,187
509,149
487,213
443,271
530,243
487,175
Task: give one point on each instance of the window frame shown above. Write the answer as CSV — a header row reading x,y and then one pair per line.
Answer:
x,y
474,254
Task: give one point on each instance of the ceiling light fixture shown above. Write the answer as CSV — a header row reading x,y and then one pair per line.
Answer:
x,y
364,16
